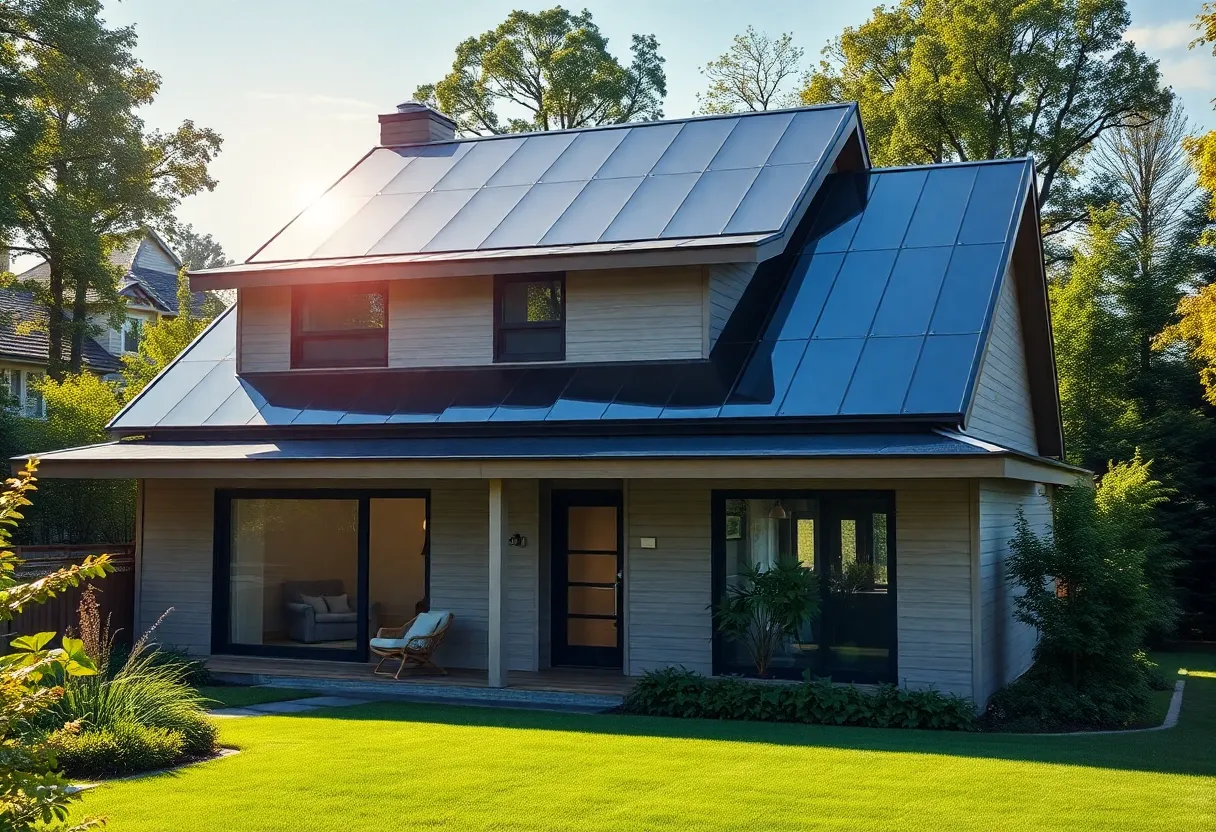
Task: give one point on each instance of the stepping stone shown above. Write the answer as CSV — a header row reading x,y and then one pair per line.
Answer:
x,y
232,712
296,707
331,701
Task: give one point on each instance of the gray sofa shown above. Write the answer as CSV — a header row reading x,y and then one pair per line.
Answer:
x,y
306,625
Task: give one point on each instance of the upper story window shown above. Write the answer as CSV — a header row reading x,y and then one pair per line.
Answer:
x,y
530,317
132,334
35,405
340,326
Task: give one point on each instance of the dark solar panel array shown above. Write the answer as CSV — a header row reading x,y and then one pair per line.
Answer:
x,y
883,313
734,175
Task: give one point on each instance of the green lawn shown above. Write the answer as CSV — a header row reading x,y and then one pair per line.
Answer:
x,y
399,766
234,696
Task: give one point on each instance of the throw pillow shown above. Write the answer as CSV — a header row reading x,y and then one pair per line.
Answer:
x,y
337,603
317,603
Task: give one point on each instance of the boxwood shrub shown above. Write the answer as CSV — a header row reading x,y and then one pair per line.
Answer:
x,y
682,693
125,748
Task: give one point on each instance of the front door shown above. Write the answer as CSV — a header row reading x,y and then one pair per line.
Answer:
x,y
587,564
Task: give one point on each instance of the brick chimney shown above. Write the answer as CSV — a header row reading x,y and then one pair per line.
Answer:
x,y
415,123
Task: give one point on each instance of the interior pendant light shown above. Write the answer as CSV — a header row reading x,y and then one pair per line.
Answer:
x,y
778,512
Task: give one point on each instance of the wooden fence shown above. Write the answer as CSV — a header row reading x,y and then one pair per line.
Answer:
x,y
115,592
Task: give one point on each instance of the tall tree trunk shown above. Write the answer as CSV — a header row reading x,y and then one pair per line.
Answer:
x,y
80,323
55,320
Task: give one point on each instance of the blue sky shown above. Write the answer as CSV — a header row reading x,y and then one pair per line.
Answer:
x,y
294,86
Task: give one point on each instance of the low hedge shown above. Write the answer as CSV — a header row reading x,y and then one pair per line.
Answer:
x,y
1044,700
682,693
126,748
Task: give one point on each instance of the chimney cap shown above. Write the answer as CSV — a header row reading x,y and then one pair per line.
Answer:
x,y
414,107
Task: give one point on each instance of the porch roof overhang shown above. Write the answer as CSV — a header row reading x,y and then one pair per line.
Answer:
x,y
937,454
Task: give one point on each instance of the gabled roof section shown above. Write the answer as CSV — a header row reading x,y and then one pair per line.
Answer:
x,y
34,347
695,182
878,311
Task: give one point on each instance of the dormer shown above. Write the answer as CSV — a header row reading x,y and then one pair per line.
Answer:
x,y
628,243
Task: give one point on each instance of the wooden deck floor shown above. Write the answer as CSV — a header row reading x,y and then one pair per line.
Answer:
x,y
563,680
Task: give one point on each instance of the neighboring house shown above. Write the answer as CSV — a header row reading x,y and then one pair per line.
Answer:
x,y
149,285
565,385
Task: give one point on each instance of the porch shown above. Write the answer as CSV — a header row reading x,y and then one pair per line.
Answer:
x,y
569,688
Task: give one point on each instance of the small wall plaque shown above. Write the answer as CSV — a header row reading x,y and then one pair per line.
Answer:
x,y
649,542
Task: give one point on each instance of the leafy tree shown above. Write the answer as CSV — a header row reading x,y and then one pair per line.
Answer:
x,y
1090,347
32,794
197,251
751,74
1088,585
82,175
941,80
1203,148
162,342
554,69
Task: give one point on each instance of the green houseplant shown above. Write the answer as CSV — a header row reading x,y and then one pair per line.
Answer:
x,y
767,607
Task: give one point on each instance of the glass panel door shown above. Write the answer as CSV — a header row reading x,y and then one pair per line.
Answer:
x,y
859,624
397,561
293,575
587,578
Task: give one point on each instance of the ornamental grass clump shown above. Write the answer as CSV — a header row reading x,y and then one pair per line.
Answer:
x,y
138,713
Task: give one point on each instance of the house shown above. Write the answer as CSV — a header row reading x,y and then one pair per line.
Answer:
x,y
564,385
149,285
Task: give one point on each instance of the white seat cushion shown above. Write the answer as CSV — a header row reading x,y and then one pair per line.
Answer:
x,y
388,643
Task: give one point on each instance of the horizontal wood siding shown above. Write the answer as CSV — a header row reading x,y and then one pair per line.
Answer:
x,y
727,281
1007,644
669,586
174,562
149,255
523,577
933,593
635,315
441,323
265,336
1001,410
460,569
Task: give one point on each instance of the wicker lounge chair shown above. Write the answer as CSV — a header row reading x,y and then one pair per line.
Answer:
x,y
414,643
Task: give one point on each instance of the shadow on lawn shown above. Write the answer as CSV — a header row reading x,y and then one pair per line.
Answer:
x,y
1185,749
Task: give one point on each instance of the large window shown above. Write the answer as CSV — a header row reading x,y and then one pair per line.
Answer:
x,y
847,539
529,318
132,334
340,326
317,572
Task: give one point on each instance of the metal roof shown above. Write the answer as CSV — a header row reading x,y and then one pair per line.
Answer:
x,y
656,181
880,311
552,447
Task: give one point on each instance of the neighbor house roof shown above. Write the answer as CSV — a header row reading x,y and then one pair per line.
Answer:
x,y
710,182
877,311
34,346
151,272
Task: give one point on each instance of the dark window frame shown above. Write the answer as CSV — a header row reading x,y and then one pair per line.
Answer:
x,y
299,297
221,599
501,281
831,504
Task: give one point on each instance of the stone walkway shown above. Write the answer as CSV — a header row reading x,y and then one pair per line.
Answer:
x,y
290,706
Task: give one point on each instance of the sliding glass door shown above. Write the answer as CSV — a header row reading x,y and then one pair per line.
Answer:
x,y
313,573
847,539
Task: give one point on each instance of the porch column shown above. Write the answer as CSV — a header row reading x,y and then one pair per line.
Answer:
x,y
498,587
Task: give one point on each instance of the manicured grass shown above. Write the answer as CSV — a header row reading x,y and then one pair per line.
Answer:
x,y
399,766
235,696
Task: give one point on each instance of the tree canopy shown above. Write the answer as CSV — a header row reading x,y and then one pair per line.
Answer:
x,y
548,70
82,175
752,74
196,250
939,80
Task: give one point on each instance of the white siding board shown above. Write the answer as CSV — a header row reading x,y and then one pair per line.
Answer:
x,y
265,336
441,323
1001,409
1007,644
175,561
635,315
727,282
150,255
